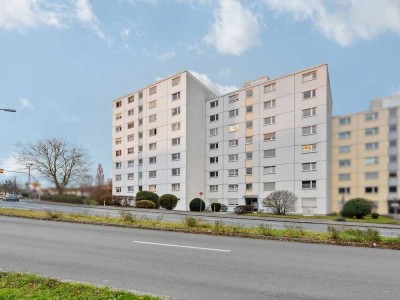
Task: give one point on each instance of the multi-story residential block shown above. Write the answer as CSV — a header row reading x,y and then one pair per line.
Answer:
x,y
365,155
273,134
159,137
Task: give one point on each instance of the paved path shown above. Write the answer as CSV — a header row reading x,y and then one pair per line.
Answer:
x,y
186,266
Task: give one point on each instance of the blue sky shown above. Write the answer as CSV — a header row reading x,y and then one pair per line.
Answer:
x,y
62,62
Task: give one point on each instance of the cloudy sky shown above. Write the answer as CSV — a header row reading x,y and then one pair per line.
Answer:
x,y
62,62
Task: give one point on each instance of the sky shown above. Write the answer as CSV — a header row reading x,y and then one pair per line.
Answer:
x,y
62,62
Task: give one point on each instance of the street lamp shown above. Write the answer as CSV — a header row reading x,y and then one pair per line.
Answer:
x,y
8,110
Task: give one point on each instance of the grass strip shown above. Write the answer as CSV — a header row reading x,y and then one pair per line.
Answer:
x,y
337,235
27,286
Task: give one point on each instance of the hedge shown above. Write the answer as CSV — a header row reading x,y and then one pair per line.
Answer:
x,y
357,207
145,204
145,195
64,199
243,209
216,207
197,205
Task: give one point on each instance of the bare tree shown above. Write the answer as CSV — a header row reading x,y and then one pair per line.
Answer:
x,y
100,176
55,160
281,202
11,185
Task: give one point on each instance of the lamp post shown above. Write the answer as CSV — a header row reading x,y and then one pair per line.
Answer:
x,y
8,110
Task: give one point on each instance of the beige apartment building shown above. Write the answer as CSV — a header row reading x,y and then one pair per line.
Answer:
x,y
365,155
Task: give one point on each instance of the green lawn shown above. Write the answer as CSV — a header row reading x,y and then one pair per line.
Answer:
x,y
26,286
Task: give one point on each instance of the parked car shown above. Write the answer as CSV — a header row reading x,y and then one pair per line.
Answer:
x,y
12,197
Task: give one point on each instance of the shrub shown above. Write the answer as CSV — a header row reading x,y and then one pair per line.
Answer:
x,y
281,202
216,207
243,209
72,199
168,201
128,216
191,221
197,205
145,195
145,204
357,207
375,216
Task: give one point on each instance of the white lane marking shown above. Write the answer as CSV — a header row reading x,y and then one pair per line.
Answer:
x,y
180,246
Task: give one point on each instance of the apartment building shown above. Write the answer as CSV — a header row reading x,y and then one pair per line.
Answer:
x,y
158,139
273,134
365,155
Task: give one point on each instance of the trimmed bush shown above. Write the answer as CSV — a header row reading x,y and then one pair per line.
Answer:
x,y
375,216
72,199
168,201
357,207
197,205
243,209
216,207
145,204
145,195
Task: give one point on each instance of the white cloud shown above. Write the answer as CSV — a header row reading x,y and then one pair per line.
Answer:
x,y
167,55
26,103
235,28
11,164
345,21
218,89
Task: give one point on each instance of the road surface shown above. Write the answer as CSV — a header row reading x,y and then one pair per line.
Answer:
x,y
186,266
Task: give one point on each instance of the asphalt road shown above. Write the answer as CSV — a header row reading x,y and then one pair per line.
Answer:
x,y
179,217
186,266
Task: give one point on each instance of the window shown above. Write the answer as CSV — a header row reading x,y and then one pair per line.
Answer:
x,y
176,80
175,156
214,118
176,96
269,120
309,94
153,132
344,176
371,131
345,149
118,104
309,112
249,155
312,166
233,128
393,175
249,93
233,143
309,148
131,99
344,163
152,104
269,170
176,172
213,188
140,175
176,141
371,189
249,109
140,94
249,186
153,90
309,76
270,153
152,188
393,143
233,98
131,163
392,158
152,118
130,189
393,112
269,104
344,190
176,111
118,189
371,160
249,124
214,160
371,175
175,187
233,113
309,184
152,146
345,121
371,146
233,187
140,121
269,137
130,150
152,174
214,104
213,131
140,148
130,176
344,135
269,186
249,171
118,165
233,157
140,162
309,130
213,146
131,125
371,116
269,87
118,141
118,129
118,116
233,201
393,128
392,189
140,108
233,172
249,140
214,174
152,160
118,153
118,177
176,126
